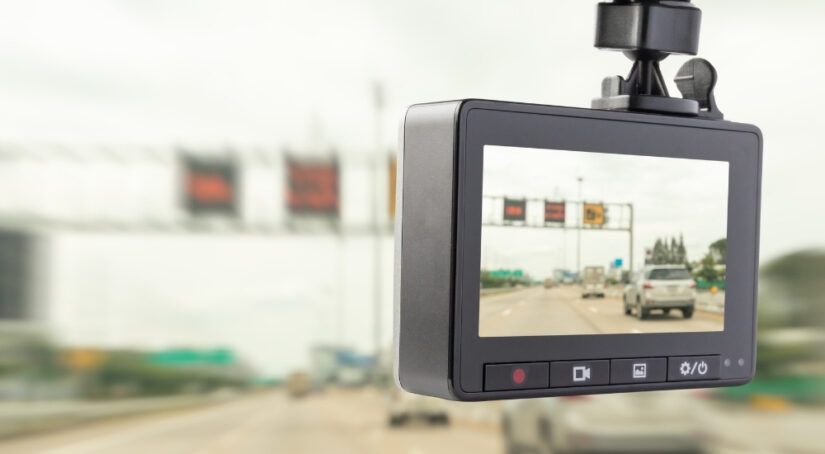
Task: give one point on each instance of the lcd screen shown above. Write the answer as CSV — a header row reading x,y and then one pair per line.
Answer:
x,y
579,243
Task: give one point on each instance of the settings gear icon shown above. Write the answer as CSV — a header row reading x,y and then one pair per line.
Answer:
x,y
684,369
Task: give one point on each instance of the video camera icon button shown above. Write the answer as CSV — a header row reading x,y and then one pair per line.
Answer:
x,y
579,373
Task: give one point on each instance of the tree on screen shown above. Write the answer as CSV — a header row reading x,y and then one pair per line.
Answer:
x,y
669,252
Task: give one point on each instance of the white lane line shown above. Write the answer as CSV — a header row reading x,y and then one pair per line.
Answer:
x,y
507,312
636,331
594,310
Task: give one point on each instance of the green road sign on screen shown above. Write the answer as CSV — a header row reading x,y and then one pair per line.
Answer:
x,y
182,357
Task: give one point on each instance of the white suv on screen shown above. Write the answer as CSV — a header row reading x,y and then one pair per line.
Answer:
x,y
661,287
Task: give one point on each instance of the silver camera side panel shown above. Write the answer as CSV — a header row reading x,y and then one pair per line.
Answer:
x,y
424,245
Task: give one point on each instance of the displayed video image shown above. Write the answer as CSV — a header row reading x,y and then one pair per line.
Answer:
x,y
595,243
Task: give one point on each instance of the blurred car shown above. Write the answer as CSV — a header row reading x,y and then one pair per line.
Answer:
x,y
406,407
658,422
593,282
661,287
298,384
351,377
548,283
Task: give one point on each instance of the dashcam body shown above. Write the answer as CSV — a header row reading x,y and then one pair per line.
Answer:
x,y
488,302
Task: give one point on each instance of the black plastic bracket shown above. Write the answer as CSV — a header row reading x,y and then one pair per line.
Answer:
x,y
647,32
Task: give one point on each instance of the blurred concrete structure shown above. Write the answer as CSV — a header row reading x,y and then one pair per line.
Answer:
x,y
339,366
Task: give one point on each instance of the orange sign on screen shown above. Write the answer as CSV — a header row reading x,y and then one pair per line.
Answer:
x,y
209,188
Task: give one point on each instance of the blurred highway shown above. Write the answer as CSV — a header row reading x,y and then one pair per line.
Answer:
x,y
355,421
561,310
341,422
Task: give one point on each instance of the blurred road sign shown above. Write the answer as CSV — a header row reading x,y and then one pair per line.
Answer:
x,y
554,212
80,359
210,186
391,192
313,187
618,263
594,214
507,273
186,357
515,210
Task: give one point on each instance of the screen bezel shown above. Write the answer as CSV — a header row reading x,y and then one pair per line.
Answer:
x,y
483,123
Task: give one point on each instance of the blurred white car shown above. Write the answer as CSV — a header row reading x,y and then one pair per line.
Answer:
x,y
661,422
406,407
661,287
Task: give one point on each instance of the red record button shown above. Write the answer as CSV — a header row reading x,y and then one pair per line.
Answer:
x,y
504,377
519,375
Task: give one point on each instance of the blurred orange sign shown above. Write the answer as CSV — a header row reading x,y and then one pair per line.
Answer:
x,y
554,212
209,185
593,214
515,210
313,187
80,359
393,179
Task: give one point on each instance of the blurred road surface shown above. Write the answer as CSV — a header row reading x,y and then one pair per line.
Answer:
x,y
561,310
342,422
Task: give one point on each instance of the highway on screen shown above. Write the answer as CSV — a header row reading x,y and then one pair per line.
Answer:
x,y
561,310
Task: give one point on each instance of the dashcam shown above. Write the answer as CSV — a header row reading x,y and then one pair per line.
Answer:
x,y
549,251
545,251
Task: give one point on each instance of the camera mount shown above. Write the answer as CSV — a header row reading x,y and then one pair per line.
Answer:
x,y
647,31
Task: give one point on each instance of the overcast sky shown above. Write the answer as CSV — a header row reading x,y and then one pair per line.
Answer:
x,y
690,199
299,74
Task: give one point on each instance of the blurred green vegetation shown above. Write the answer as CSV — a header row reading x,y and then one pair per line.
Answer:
x,y
129,373
793,293
791,338
30,356
32,359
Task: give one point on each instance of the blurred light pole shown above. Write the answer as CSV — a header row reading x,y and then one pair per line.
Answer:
x,y
378,102
579,232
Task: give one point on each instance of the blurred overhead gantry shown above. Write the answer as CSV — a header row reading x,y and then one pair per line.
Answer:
x,y
200,190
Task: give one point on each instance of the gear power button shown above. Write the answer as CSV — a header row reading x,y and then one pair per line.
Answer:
x,y
693,368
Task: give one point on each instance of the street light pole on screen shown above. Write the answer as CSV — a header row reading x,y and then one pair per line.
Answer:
x,y
579,232
630,262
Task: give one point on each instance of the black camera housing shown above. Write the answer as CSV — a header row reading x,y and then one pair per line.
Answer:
x,y
438,350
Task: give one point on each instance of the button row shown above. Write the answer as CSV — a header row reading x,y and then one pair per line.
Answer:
x,y
556,374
